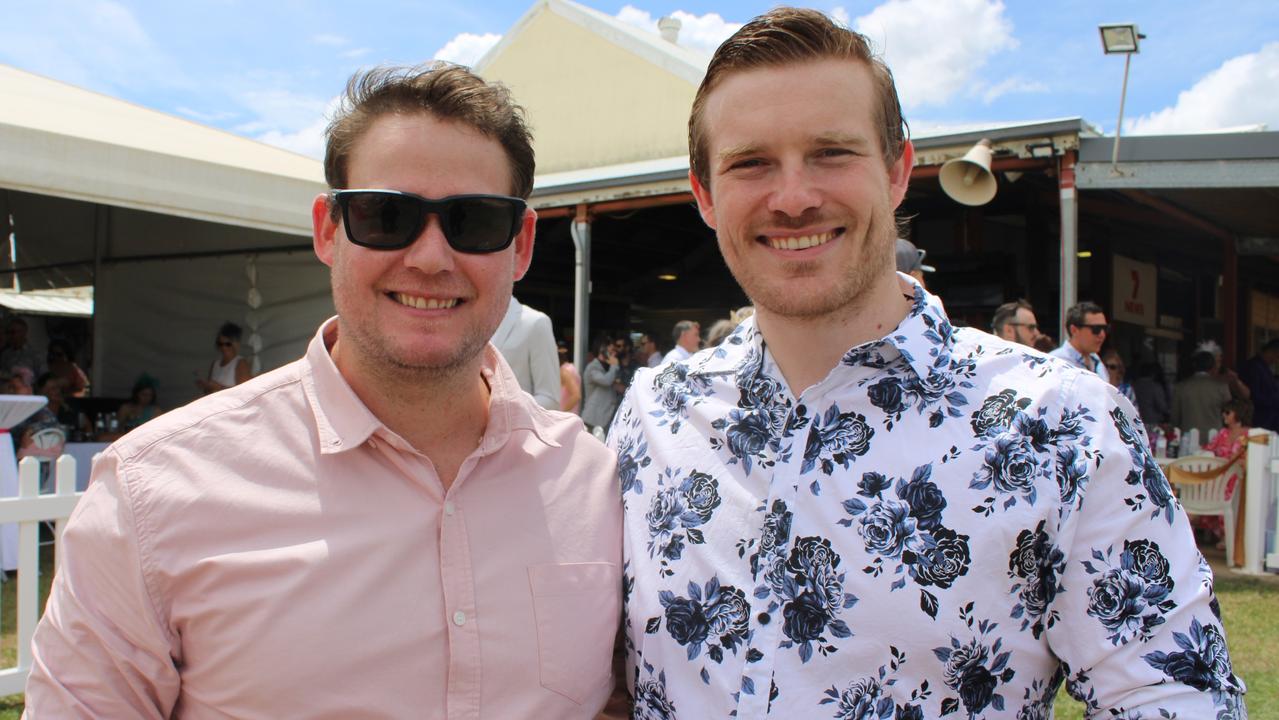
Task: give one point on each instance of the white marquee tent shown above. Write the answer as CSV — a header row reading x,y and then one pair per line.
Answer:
x,y
172,223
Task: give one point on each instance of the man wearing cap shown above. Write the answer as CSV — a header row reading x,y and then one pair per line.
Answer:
x,y
910,260
388,527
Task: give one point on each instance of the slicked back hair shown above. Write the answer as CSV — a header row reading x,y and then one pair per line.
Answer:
x,y
1076,314
445,91
785,36
1007,313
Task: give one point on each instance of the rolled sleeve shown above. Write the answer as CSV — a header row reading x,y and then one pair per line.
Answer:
x,y
100,650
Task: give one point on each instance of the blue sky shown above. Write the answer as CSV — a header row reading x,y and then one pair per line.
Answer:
x,y
268,69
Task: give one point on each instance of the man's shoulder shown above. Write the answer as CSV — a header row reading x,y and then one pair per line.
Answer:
x,y
227,410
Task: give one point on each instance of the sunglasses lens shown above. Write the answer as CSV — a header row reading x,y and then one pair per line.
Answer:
x,y
481,224
387,220
381,220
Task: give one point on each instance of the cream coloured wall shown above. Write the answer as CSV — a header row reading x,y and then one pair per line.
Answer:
x,y
590,102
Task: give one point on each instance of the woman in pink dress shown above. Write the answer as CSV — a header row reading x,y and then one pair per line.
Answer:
x,y
1236,416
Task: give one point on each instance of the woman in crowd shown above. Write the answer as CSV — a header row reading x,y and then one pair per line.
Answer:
x,y
1236,417
229,368
62,365
1117,371
141,406
570,381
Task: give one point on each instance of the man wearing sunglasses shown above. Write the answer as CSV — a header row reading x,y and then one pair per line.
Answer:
x,y
387,527
1087,329
852,508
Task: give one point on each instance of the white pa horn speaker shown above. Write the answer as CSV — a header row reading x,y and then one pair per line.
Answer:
x,y
968,180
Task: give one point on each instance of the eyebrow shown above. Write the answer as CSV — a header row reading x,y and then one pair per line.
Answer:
x,y
825,140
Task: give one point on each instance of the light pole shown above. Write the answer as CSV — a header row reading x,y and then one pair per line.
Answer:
x,y
1120,38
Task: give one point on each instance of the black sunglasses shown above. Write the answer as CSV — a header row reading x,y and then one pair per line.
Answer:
x,y
1098,328
391,220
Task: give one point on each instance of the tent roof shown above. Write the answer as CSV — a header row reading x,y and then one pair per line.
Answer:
x,y
68,302
64,141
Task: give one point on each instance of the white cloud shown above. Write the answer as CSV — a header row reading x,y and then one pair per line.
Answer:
x,y
308,138
275,108
204,117
936,47
840,15
1008,86
467,48
1240,92
702,33
98,44
307,141
354,53
329,39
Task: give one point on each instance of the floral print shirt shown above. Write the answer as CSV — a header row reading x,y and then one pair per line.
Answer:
x,y
948,525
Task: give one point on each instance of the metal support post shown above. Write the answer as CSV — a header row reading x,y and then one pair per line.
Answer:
x,y
581,232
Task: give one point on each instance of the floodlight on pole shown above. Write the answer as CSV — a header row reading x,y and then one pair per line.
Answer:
x,y
1120,38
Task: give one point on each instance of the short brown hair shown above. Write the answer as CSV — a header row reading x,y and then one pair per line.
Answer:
x,y
445,90
1241,408
786,35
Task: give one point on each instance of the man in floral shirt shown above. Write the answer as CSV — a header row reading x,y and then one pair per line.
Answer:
x,y
851,509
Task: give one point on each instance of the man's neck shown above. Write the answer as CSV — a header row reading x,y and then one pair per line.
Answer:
x,y
807,349
442,415
1090,362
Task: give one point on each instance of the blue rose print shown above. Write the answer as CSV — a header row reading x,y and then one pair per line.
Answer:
x,y
1035,566
1202,663
1130,598
975,669
836,439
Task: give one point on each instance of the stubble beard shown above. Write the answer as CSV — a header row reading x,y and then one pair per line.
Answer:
x,y
777,296
377,355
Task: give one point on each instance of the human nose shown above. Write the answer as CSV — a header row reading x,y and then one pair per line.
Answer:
x,y
795,193
430,251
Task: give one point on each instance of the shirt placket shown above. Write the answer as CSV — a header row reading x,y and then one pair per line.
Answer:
x,y
458,583
767,625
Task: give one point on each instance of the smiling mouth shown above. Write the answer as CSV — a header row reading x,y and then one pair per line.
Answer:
x,y
422,303
802,242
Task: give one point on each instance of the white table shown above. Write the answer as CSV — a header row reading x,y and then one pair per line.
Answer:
x,y
83,452
13,410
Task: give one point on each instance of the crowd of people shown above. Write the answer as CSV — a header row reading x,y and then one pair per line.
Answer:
x,y
55,375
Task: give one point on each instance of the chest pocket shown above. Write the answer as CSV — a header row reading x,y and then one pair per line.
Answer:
x,y
578,608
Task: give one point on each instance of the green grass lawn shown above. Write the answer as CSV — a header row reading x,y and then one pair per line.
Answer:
x,y
1250,607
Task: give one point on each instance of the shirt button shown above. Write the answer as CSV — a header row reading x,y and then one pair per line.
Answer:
x,y
448,510
459,618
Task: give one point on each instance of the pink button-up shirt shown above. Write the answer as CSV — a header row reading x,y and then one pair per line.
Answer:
x,y
274,551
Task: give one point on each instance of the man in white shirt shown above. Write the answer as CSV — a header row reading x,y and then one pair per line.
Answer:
x,y
1087,328
527,343
688,337
852,508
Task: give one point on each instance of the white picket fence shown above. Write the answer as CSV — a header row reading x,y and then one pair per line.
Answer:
x,y
1261,515
29,509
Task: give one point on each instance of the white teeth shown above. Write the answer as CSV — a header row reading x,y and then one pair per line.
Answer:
x,y
422,303
801,243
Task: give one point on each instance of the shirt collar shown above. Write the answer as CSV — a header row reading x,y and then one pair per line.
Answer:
x,y
343,421
1079,358
924,339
